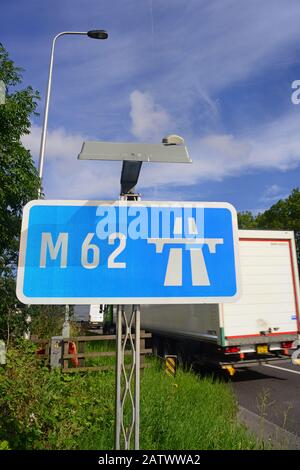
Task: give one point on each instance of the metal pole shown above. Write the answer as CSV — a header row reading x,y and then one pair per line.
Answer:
x,y
27,333
45,123
119,417
126,394
137,377
66,324
2,92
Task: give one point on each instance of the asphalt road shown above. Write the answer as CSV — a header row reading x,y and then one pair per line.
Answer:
x,y
272,392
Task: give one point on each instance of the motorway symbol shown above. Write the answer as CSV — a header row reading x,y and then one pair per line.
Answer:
x,y
90,252
174,268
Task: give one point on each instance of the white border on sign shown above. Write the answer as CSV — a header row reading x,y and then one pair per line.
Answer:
x,y
122,300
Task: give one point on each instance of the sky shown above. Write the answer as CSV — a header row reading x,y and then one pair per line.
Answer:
x,y
219,73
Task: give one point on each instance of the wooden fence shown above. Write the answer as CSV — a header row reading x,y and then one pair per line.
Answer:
x,y
44,352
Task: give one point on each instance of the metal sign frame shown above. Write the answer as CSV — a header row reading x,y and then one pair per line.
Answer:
x,y
138,152
122,300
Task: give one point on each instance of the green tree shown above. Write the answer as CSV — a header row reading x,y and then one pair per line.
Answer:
x,y
284,215
246,220
46,320
19,183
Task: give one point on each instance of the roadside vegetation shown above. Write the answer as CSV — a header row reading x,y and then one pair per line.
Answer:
x,y
49,410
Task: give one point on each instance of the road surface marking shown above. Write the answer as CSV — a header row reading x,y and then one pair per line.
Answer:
x,y
281,368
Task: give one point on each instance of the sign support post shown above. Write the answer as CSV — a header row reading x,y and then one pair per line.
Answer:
x,y
118,406
125,376
137,375
125,393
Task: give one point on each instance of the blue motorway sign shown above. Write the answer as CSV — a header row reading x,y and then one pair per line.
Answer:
x,y
89,252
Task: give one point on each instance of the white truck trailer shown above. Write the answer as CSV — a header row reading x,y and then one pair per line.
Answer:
x,y
93,314
262,325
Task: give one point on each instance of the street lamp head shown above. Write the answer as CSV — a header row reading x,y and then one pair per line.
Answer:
x,y
97,34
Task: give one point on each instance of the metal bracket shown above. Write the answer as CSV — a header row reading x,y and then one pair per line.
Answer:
x,y
130,197
129,176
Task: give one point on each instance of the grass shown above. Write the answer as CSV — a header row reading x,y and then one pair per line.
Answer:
x,y
184,413
187,412
102,346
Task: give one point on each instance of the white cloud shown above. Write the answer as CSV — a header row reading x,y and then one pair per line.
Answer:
x,y
59,143
149,120
273,190
64,175
277,145
273,147
215,156
273,193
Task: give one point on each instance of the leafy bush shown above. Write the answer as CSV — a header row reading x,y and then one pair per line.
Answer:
x,y
4,445
48,410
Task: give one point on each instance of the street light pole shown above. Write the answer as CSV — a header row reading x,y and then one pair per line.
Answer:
x,y
2,92
45,123
94,34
